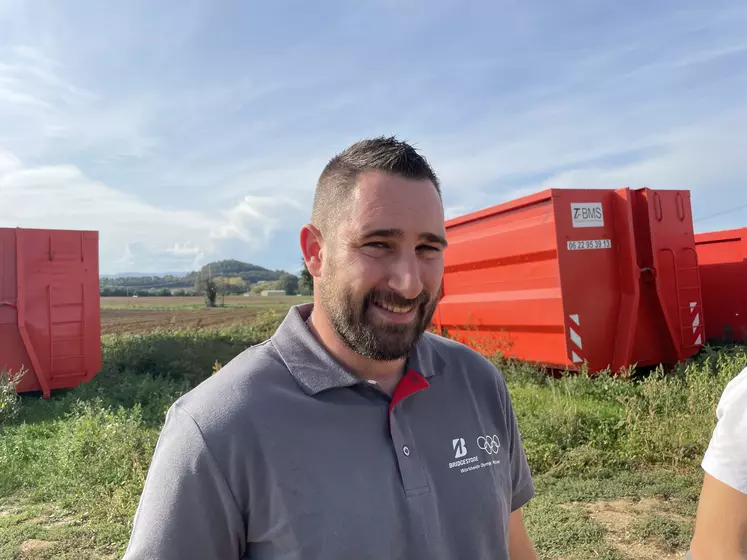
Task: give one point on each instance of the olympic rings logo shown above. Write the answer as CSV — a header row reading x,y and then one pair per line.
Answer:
x,y
489,444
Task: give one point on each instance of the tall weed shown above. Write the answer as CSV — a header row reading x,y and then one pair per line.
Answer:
x,y
586,425
93,459
10,402
90,448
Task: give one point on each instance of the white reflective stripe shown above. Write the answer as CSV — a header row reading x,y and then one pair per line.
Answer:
x,y
576,358
696,322
693,304
576,320
699,341
576,339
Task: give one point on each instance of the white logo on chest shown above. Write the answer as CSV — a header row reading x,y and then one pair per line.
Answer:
x,y
490,444
460,449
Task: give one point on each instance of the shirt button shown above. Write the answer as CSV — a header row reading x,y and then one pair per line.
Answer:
x,y
406,451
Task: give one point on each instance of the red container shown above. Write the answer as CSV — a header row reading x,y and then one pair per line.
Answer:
x,y
722,256
50,307
563,277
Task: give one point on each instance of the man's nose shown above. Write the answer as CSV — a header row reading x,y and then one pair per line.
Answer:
x,y
405,276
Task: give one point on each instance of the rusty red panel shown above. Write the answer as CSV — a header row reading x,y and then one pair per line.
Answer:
x,y
563,277
50,307
722,257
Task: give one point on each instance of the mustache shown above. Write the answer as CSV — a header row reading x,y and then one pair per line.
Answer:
x,y
393,298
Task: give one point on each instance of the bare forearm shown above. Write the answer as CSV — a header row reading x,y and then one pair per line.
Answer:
x,y
520,546
721,523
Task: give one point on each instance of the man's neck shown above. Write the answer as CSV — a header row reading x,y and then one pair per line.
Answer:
x,y
385,374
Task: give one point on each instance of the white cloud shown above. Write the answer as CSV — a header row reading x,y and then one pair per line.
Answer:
x,y
706,158
184,249
214,149
45,113
255,218
134,234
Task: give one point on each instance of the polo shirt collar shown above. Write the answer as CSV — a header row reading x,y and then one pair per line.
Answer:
x,y
314,368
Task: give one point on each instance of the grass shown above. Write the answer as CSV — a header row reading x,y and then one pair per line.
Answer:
x,y
615,459
669,534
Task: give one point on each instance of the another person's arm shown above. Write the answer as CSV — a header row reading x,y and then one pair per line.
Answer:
x,y
187,510
721,521
519,545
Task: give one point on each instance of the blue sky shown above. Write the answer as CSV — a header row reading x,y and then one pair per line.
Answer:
x,y
188,131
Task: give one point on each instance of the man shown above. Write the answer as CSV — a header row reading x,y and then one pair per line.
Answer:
x,y
721,521
352,433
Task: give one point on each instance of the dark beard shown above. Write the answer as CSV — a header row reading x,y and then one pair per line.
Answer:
x,y
361,333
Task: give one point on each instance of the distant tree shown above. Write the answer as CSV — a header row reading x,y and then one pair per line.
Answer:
x,y
199,284
211,292
289,283
307,281
114,292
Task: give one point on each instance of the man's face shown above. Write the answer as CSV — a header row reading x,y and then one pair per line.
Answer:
x,y
382,273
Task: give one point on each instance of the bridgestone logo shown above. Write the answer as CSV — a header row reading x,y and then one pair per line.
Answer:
x,y
463,462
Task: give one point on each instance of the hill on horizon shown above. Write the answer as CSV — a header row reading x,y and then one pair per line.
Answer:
x,y
178,274
250,273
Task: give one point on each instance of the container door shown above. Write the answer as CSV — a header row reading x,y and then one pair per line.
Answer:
x,y
672,324
62,305
13,354
590,254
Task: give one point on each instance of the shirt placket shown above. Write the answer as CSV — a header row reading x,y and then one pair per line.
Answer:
x,y
409,460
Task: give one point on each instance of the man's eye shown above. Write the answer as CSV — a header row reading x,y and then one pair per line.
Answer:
x,y
377,245
429,248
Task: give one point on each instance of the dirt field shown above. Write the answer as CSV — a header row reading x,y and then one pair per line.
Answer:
x,y
137,315
198,302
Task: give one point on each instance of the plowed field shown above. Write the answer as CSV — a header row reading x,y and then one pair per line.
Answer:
x,y
138,315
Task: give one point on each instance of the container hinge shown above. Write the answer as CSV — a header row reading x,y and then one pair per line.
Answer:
x,y
647,273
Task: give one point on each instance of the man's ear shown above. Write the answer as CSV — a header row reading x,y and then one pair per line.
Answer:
x,y
311,247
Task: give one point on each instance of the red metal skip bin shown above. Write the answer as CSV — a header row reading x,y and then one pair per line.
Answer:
x,y
50,307
563,277
722,256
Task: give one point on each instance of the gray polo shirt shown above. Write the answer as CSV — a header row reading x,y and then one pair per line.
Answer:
x,y
284,454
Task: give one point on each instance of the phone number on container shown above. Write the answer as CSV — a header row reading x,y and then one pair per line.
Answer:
x,y
589,244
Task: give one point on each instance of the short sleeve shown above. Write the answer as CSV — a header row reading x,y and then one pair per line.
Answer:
x,y
726,456
186,510
521,476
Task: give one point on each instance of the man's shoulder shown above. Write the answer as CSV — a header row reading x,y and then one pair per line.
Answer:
x,y
460,357
235,392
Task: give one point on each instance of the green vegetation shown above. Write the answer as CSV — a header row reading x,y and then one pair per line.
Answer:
x,y
10,402
144,282
209,289
278,303
615,459
670,534
230,277
233,267
306,282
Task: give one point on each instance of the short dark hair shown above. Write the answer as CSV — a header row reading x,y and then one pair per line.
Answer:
x,y
339,177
